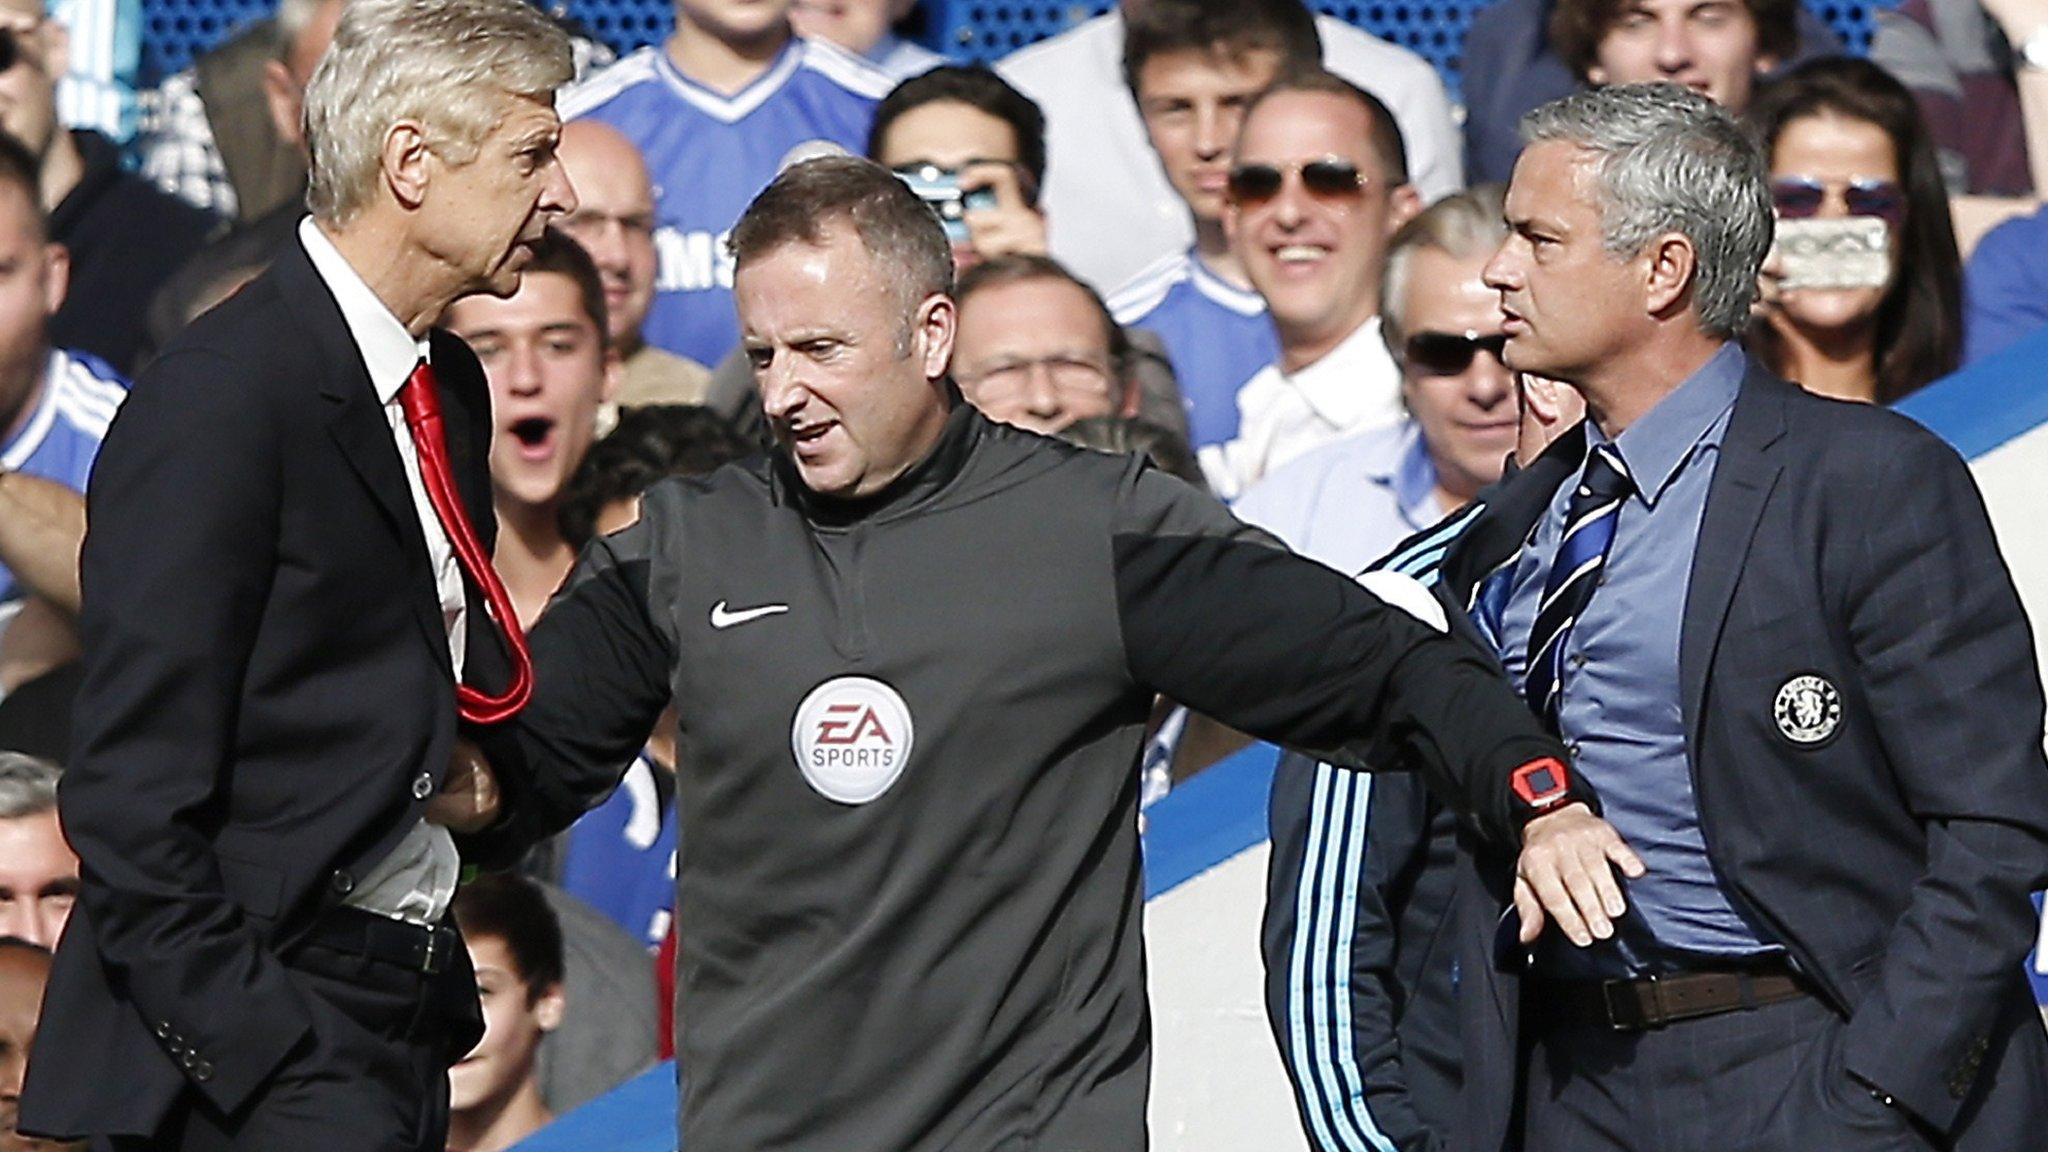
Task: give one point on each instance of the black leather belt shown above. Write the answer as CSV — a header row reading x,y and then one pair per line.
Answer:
x,y
414,947
1654,1001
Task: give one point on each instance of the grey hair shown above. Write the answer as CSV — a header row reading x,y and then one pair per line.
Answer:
x,y
449,65
1461,225
1670,160
28,785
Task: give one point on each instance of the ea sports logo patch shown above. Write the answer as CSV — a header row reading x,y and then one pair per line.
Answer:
x,y
1808,710
851,738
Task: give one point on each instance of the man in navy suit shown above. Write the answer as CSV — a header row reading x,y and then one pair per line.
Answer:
x,y
285,590
1776,633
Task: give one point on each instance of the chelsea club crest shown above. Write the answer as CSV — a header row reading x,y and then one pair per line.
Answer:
x,y
1808,710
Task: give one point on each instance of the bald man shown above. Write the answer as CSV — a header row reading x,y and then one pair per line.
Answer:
x,y
615,224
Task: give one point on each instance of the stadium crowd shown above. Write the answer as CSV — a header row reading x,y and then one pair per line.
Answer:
x,y
1256,245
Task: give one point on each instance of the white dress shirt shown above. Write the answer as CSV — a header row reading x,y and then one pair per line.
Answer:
x,y
417,880
1108,206
1354,387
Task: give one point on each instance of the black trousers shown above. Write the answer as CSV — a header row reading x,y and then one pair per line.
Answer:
x,y
1766,1080
372,1076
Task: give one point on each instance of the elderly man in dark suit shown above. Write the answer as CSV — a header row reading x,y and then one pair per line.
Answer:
x,y
1776,634
287,607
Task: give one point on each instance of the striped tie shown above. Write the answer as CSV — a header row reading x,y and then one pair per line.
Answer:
x,y
1575,573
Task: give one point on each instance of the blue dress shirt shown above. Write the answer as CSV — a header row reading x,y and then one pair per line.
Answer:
x,y
1619,713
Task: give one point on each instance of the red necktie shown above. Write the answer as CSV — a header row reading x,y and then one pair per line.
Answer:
x,y
421,401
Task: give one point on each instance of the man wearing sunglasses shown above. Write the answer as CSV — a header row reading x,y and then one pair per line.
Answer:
x,y
1777,633
1194,66
1318,184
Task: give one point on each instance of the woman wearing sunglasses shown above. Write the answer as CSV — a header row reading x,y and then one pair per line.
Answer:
x,y
1862,298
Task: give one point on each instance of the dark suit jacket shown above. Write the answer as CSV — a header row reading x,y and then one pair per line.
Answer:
x,y
1893,858
266,681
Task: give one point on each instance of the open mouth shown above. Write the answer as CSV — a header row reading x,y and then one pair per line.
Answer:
x,y
535,436
803,438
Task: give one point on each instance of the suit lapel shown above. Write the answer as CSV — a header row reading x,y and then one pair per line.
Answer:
x,y
360,429
1744,476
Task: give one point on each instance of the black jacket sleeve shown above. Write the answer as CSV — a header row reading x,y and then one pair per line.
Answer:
x,y
601,663
1219,617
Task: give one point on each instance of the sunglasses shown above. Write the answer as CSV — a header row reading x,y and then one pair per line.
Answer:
x,y
1449,353
1801,197
1252,185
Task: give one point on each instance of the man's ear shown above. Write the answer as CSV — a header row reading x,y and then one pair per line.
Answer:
x,y
56,276
1671,265
932,331
549,1007
1403,204
406,161
614,373
285,102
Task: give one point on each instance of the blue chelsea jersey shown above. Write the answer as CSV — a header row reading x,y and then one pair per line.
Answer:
x,y
61,429
710,154
620,857
1217,337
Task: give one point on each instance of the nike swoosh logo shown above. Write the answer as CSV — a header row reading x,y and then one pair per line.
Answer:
x,y
720,618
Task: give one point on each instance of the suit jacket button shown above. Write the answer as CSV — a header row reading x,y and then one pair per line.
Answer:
x,y
164,1030
202,1071
341,883
422,786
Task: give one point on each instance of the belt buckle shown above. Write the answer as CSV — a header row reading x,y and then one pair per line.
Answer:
x,y
1625,1012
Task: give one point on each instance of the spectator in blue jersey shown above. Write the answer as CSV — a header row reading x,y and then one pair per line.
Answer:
x,y
550,367
1037,348
614,222
55,404
1194,66
125,237
515,945
866,28
620,856
1318,184
2005,287
714,109
963,134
